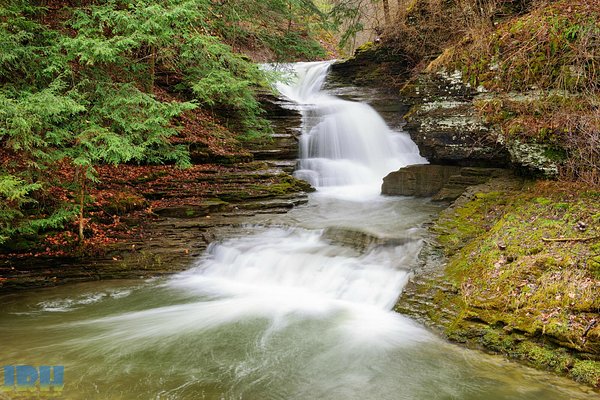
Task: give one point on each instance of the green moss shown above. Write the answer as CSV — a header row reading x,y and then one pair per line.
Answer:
x,y
457,226
543,201
586,371
543,357
594,266
123,202
555,154
498,341
562,206
285,184
513,286
367,47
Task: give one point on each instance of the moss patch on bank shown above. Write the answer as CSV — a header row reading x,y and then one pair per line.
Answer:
x,y
523,275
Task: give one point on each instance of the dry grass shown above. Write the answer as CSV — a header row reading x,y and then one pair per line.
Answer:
x,y
423,29
568,123
552,47
555,46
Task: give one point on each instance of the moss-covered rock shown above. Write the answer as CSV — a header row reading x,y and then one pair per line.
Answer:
x,y
123,202
521,277
372,63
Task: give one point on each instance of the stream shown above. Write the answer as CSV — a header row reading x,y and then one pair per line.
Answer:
x,y
276,310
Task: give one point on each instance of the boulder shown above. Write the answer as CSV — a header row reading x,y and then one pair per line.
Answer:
x,y
444,124
440,182
418,180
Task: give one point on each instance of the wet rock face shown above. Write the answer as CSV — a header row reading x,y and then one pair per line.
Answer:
x,y
372,64
286,121
441,182
360,240
418,180
532,158
445,125
442,119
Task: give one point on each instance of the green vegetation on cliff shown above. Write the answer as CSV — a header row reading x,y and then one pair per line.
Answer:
x,y
506,83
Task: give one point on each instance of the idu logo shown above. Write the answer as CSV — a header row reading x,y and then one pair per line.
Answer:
x,y
25,378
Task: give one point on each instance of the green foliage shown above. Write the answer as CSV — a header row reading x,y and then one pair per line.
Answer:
x,y
218,77
13,194
286,27
347,16
16,194
120,124
29,120
29,53
83,85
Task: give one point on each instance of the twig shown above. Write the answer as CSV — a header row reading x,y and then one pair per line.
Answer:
x,y
588,328
587,239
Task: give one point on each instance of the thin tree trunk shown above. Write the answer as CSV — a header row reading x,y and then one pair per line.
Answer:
x,y
289,27
386,11
152,64
82,178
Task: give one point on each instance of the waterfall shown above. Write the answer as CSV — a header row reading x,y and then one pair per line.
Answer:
x,y
290,272
343,143
278,309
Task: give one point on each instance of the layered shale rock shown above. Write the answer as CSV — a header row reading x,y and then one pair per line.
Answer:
x,y
441,182
448,129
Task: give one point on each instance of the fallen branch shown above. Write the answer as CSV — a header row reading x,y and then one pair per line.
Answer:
x,y
587,239
588,328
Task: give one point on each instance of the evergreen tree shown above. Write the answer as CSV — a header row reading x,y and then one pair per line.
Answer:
x,y
77,87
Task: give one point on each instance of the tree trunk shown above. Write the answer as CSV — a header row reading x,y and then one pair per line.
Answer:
x,y
82,181
386,11
289,27
152,68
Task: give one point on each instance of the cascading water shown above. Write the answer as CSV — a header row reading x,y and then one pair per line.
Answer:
x,y
343,143
278,311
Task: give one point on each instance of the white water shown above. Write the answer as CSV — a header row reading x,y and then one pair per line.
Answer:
x,y
345,147
283,273
275,312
